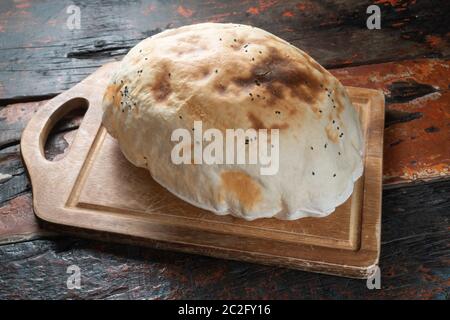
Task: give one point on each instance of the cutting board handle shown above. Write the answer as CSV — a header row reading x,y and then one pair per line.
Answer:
x,y
83,95
36,133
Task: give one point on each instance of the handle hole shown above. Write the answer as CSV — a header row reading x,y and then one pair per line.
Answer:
x,y
64,130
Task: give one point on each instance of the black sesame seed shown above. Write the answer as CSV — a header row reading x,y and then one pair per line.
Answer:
x,y
277,112
334,121
312,148
334,175
234,40
313,173
337,128
250,94
258,95
253,59
180,117
339,153
220,39
325,146
260,52
320,111
217,71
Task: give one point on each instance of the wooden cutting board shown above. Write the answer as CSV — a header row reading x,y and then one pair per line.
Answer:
x,y
97,191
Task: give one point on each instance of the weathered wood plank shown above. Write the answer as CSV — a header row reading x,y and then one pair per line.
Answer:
x,y
13,179
414,264
17,220
13,119
40,56
417,133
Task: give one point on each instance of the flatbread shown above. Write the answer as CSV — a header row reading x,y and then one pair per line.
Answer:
x,y
233,76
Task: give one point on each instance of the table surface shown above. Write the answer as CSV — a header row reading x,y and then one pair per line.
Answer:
x,y
408,59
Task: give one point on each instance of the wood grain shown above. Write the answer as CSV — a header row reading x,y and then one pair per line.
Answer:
x,y
132,204
41,56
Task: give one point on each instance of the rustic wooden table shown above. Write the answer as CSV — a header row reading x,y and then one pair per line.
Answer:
x,y
41,55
